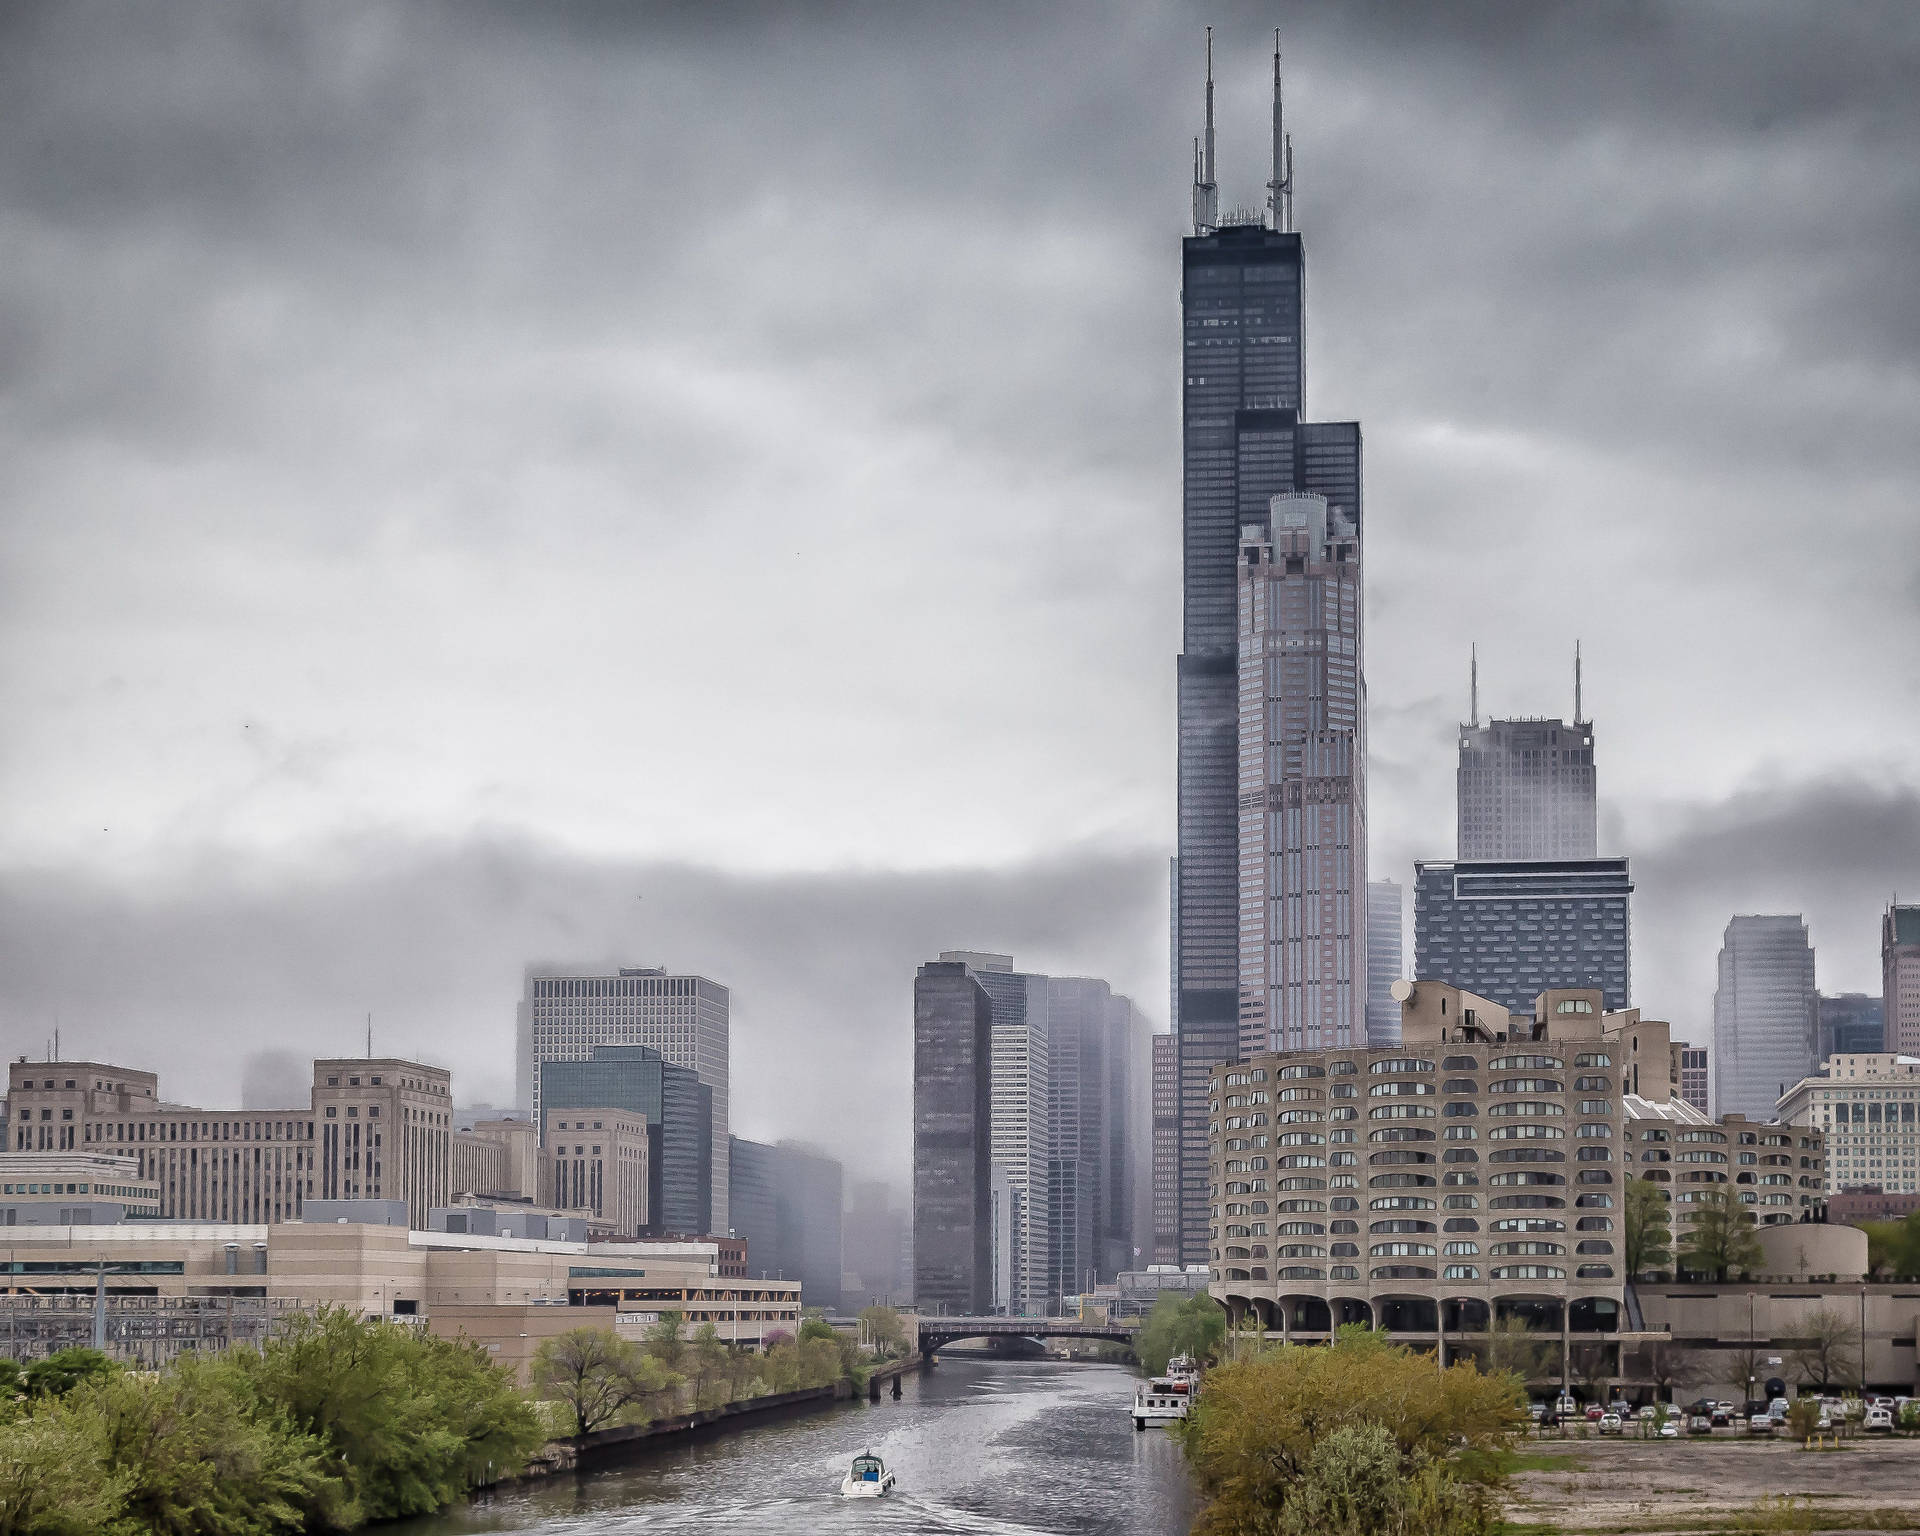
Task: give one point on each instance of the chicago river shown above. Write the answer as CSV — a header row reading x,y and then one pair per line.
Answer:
x,y
979,1446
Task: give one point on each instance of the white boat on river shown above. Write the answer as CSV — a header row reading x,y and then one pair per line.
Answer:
x,y
1162,1400
869,1478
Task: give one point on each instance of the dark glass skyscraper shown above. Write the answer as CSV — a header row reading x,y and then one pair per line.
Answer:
x,y
1243,442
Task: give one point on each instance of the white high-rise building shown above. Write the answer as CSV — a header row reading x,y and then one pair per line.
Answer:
x,y
1302,792
1386,959
566,1012
1765,1015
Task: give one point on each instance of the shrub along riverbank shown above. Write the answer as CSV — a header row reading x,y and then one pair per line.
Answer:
x,y
336,1422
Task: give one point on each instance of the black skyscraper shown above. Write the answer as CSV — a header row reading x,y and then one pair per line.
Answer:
x,y
1243,442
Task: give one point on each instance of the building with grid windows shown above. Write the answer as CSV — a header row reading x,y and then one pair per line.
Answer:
x,y
1765,1014
1509,930
1526,790
1868,1107
566,1012
952,1140
1900,979
1386,958
1166,1150
1302,784
1693,1076
1245,439
675,1110
1850,1024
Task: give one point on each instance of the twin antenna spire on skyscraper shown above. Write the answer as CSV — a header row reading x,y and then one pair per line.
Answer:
x,y
1206,186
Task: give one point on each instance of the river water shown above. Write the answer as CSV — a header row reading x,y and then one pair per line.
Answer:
x,y
980,1447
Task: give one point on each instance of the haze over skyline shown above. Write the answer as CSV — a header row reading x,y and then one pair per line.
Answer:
x,y
699,486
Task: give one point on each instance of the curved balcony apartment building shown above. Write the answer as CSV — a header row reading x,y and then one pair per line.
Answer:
x,y
1473,1171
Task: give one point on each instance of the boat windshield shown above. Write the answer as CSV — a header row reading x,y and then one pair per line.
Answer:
x,y
866,1469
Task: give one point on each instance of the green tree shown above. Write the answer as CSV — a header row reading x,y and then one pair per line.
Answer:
x,y
197,1452
884,1328
816,1328
1180,1325
411,1421
59,1373
1829,1350
1511,1345
55,1478
667,1340
707,1358
1302,1438
1893,1247
1722,1241
1647,1229
597,1375
1803,1418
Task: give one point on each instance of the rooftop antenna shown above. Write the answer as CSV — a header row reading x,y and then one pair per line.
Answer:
x,y
369,1037
1474,688
1206,191
1280,188
1577,716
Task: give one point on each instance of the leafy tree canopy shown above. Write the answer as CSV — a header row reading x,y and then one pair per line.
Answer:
x,y
1180,1325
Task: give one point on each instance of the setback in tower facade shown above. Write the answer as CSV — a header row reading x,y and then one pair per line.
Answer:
x,y
1244,441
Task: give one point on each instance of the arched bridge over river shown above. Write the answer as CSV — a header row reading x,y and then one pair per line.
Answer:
x,y
937,1332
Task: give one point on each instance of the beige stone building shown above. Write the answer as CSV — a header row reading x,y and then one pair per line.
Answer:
x,y
490,1284
595,1160
1474,1171
372,1129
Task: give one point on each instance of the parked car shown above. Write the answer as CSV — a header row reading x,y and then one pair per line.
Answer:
x,y
1670,1430
1701,1423
1595,1413
1760,1424
1778,1407
1878,1418
1720,1415
1565,1406
1610,1424
1538,1410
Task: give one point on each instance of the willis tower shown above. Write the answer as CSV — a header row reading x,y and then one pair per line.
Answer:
x,y
1254,897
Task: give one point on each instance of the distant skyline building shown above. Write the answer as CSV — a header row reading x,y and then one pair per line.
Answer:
x,y
1166,1151
566,1011
1070,1126
1900,978
1244,441
952,1140
1526,787
790,1213
677,1108
1386,958
1850,1024
1765,1014
1512,929
877,1240
1302,784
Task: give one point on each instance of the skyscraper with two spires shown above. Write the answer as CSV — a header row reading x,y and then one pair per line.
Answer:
x,y
1269,943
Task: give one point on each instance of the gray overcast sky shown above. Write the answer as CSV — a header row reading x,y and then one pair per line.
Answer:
x,y
699,484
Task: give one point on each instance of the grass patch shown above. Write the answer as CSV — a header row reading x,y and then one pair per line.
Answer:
x,y
1541,1461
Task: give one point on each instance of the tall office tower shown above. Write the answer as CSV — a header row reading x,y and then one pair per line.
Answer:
x,y
952,1140
1850,1024
1765,1019
1526,787
1165,1230
791,1215
678,1109
1243,442
1386,959
1510,931
1900,978
566,1012
1303,792
1693,1076
1022,1124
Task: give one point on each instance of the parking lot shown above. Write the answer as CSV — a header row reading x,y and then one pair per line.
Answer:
x,y
1700,1484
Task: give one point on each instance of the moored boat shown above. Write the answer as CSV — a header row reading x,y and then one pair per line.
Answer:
x,y
1162,1400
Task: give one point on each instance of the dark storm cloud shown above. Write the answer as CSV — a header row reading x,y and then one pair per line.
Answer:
x,y
227,980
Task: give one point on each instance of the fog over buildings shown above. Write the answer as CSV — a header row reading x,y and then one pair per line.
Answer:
x,y
699,487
